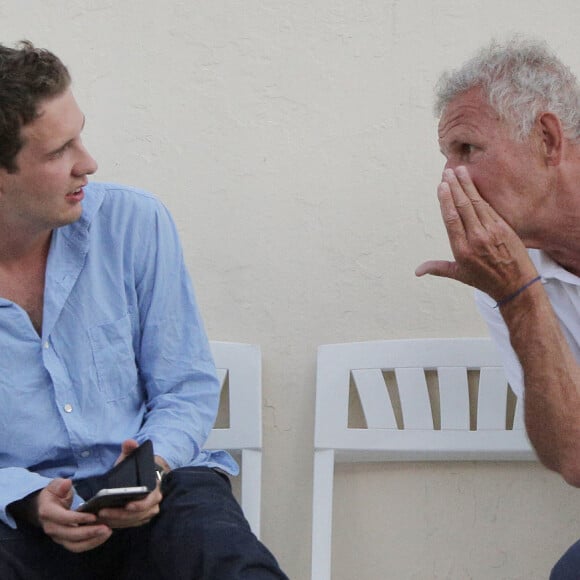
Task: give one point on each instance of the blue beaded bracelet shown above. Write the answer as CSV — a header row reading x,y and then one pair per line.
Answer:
x,y
516,293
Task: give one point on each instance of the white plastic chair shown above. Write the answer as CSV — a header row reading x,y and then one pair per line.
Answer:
x,y
240,367
391,379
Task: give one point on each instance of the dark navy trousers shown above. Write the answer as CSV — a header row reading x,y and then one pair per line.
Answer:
x,y
568,566
199,534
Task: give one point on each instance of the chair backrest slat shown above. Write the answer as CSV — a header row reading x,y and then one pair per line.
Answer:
x,y
414,396
374,397
454,398
492,399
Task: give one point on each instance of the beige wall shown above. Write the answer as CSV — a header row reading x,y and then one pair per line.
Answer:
x,y
295,145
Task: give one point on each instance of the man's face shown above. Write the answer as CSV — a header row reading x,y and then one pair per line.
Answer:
x,y
506,172
46,190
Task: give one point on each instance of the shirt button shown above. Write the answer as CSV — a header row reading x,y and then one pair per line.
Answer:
x,y
46,344
68,408
85,453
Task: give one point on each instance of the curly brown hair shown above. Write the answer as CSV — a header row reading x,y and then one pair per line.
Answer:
x,y
28,76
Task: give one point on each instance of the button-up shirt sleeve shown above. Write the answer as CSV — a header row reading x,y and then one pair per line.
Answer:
x,y
563,290
500,335
174,360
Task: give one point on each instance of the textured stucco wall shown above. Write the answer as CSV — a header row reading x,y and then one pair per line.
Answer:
x,y
295,144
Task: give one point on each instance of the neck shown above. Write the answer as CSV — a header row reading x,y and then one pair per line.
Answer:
x,y
562,241
17,249
556,223
566,260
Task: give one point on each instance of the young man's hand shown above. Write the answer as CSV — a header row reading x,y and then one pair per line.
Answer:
x,y
50,510
135,513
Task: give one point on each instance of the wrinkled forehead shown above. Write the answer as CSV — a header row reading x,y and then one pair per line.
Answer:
x,y
471,121
470,109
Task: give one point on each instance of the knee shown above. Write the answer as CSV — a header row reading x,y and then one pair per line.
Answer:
x,y
568,566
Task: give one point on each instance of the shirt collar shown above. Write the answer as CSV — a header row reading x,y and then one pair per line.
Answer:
x,y
550,269
94,195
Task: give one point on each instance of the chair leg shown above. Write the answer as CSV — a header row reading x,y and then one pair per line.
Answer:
x,y
322,514
252,487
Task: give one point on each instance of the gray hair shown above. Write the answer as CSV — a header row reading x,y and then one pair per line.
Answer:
x,y
520,79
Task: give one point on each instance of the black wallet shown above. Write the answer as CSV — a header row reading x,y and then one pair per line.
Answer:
x,y
136,470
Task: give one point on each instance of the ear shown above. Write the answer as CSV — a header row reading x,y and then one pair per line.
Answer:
x,y
552,137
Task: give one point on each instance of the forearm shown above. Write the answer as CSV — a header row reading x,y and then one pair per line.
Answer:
x,y
551,379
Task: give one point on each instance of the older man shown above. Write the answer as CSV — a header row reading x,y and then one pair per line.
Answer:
x,y
510,199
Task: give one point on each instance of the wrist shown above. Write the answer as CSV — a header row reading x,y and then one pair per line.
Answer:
x,y
161,468
162,463
531,299
518,292
26,509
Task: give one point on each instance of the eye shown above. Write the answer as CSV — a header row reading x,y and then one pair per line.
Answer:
x,y
60,152
466,149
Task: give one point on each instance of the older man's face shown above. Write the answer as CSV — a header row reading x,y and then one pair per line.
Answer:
x,y
509,175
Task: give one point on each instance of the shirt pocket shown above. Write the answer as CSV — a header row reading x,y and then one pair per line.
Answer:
x,y
112,346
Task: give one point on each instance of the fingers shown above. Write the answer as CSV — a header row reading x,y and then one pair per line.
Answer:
x,y
74,530
466,199
441,268
450,212
53,506
474,210
79,538
455,232
135,513
62,491
469,220
127,448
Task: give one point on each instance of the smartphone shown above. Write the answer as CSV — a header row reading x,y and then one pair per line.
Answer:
x,y
113,497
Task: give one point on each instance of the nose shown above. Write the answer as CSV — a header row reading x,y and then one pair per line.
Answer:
x,y
86,164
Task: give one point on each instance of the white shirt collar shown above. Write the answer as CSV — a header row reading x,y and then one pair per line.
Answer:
x,y
549,268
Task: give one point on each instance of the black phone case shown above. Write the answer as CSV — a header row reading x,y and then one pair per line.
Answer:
x,y
136,470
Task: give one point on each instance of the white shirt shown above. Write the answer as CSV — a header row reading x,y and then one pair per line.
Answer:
x,y
563,289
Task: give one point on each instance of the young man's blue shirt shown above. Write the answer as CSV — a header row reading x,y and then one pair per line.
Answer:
x,y
123,352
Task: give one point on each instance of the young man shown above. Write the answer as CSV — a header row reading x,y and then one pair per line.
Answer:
x,y
510,200
102,348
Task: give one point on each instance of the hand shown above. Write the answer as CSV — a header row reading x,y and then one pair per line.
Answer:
x,y
488,254
127,447
135,513
76,531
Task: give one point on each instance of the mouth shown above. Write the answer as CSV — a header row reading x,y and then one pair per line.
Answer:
x,y
76,195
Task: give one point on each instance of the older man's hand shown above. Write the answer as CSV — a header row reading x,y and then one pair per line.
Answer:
x,y
488,254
